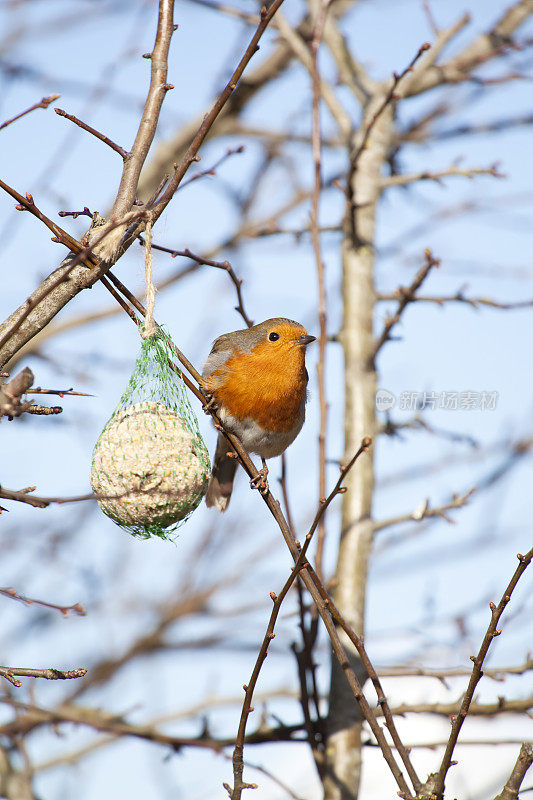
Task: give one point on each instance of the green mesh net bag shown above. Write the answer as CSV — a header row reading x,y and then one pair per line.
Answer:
x,y
150,466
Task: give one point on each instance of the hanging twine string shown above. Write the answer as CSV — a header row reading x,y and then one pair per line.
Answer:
x,y
150,328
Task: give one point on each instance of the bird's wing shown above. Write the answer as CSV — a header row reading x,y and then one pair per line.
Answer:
x,y
221,351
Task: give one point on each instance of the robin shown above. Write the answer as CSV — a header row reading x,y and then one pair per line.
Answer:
x,y
258,382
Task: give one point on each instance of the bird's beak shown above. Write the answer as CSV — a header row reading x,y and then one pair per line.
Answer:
x,y
305,339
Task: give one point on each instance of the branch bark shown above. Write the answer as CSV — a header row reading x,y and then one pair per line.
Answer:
x,y
356,337
523,763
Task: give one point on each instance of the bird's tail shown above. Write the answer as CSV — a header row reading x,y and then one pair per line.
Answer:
x,y
222,475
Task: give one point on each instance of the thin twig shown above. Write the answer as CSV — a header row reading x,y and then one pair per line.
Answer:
x,y
83,125
210,171
51,674
44,103
75,214
319,263
492,632
210,117
387,712
59,392
77,608
390,97
22,496
225,265
403,179
425,511
133,165
460,297
495,673
238,765
406,296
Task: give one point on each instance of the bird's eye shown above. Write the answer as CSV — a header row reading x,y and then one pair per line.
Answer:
x,y
273,337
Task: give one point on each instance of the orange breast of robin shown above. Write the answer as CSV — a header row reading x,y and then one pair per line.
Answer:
x,y
266,385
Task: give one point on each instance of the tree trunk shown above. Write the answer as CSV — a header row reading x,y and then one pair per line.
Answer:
x,y
356,337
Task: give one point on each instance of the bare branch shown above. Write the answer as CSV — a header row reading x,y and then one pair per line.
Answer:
x,y
209,119
406,295
453,171
512,788
322,301
351,72
301,51
127,190
51,674
479,51
424,511
225,265
495,673
106,243
22,496
238,764
428,62
460,297
77,608
59,392
11,404
83,125
44,103
389,97
501,706
106,722
437,781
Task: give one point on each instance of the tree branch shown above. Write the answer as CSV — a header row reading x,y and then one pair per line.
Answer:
x,y
512,788
436,782
105,139
51,674
424,511
43,103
